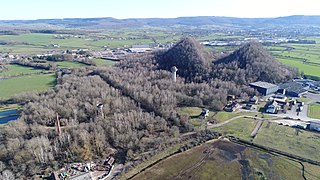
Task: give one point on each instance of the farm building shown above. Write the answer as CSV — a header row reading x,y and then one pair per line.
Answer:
x,y
264,87
232,106
279,98
293,89
139,49
204,114
273,108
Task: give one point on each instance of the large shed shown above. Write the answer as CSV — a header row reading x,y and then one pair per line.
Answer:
x,y
294,88
264,88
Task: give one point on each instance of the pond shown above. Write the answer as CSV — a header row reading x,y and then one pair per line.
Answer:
x,y
8,115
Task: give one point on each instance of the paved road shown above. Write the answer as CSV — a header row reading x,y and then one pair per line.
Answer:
x,y
303,115
237,117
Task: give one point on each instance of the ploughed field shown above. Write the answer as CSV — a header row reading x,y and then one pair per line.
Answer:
x,y
222,159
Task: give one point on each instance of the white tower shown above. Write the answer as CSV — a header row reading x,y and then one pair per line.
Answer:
x,y
100,107
174,73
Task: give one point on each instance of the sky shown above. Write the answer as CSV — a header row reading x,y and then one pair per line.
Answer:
x,y
121,9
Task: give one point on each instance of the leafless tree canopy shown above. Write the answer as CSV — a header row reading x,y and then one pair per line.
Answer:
x,y
140,103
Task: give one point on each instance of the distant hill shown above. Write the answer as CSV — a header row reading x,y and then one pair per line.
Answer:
x,y
109,22
252,63
189,56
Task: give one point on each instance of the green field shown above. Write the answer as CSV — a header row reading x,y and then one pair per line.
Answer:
x,y
13,86
314,110
28,81
69,64
240,128
305,68
224,116
216,117
18,70
38,43
304,144
35,43
221,160
103,62
152,160
306,57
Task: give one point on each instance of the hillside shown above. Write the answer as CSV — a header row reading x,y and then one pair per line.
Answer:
x,y
251,63
109,22
188,56
223,160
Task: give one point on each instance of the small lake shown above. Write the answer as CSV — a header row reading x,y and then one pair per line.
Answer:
x,y
9,115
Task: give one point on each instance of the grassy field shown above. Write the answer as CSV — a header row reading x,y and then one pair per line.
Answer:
x,y
220,160
311,171
314,110
35,43
240,128
223,116
194,112
307,69
18,70
217,117
153,159
300,56
69,64
285,138
13,86
103,62
33,82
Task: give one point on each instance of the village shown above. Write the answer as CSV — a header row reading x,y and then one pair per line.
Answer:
x,y
262,40
288,101
79,54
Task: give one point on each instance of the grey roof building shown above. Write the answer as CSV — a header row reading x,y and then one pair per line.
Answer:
x,y
294,88
264,88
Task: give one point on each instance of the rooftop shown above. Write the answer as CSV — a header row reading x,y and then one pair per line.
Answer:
x,y
294,86
263,84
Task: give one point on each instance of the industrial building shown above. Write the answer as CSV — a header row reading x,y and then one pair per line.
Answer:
x,y
264,87
294,88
